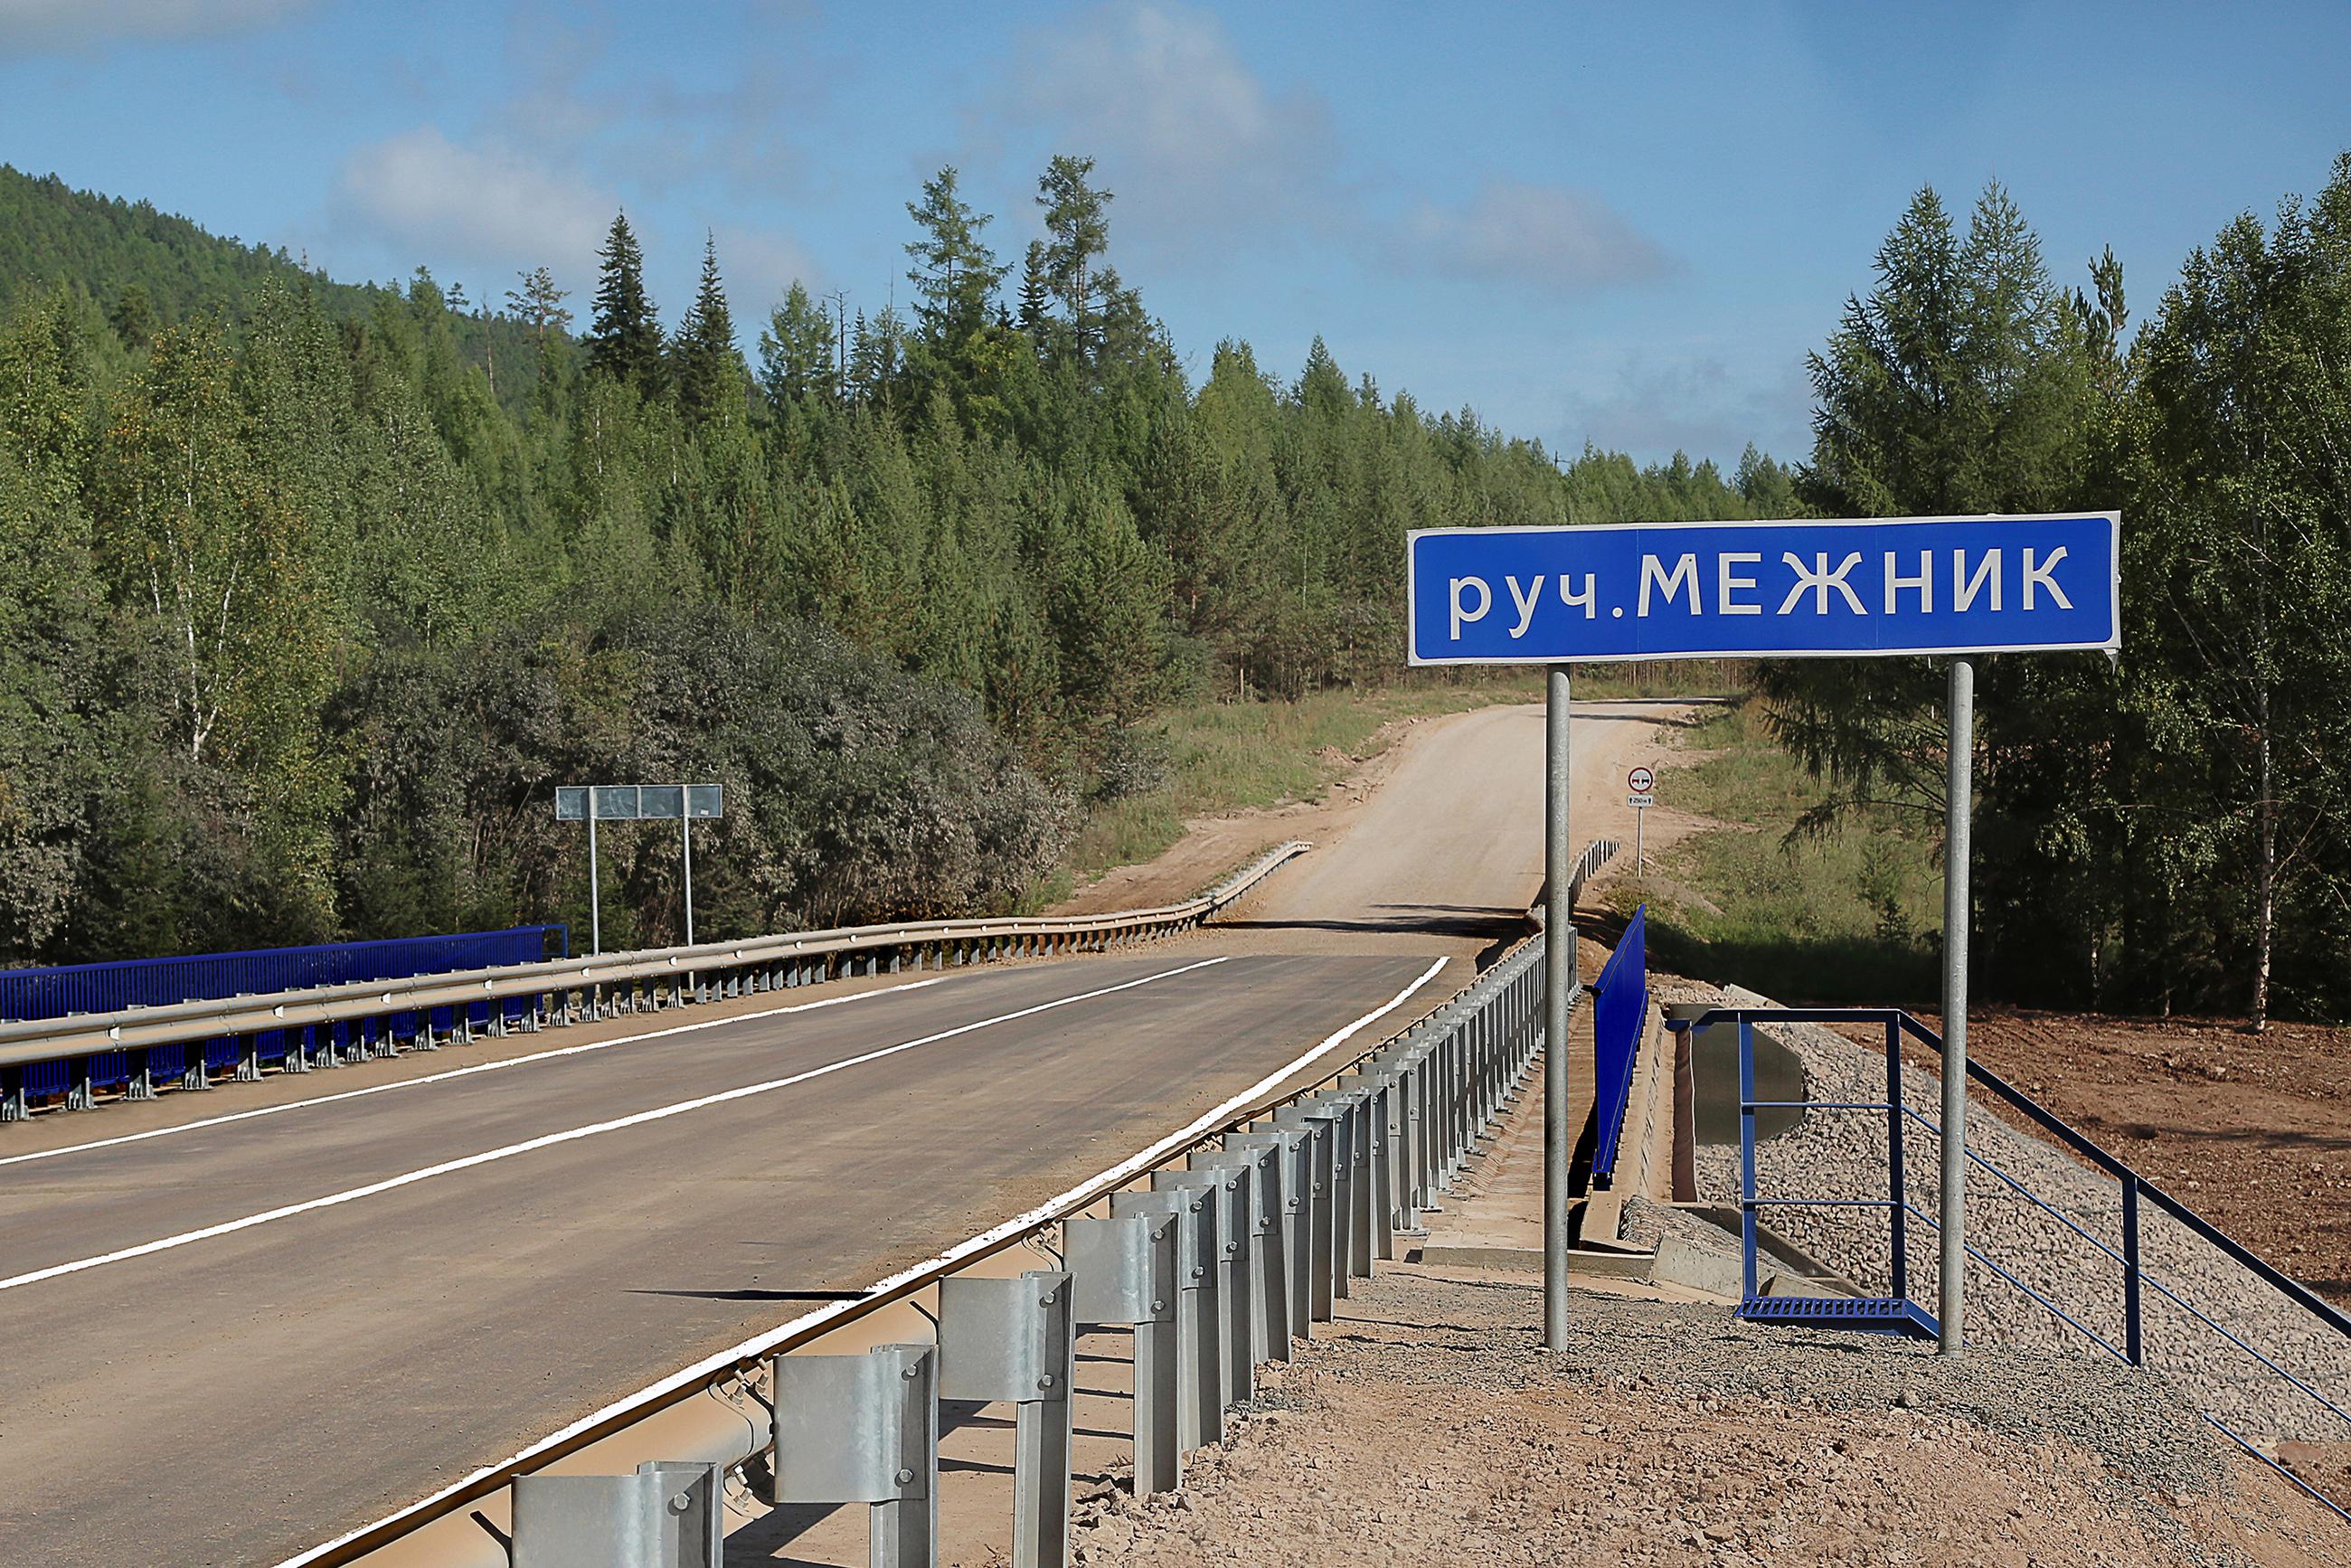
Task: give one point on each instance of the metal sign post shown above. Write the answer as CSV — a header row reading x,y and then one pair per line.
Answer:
x,y
1642,783
1958,804
595,890
1560,983
686,840
1855,588
592,803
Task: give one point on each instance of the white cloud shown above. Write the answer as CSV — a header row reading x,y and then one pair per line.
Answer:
x,y
1662,401
486,205
28,25
1548,237
759,269
1195,143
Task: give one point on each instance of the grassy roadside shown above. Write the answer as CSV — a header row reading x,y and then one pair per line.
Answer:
x,y
1844,916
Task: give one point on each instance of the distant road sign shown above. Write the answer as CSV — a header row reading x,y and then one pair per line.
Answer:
x,y
1640,780
639,802
1640,800
1704,590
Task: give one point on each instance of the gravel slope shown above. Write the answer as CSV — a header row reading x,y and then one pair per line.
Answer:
x,y
1836,1153
1428,1427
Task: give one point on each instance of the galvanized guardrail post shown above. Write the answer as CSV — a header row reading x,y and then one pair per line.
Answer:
x,y
864,1429
1199,1345
1227,1183
1381,1103
1363,1196
1269,1304
1125,1269
1315,1222
1293,1209
1015,1341
665,1516
1341,1206
1403,1119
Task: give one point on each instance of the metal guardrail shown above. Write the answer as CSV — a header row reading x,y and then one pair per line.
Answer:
x,y
1333,1173
62,990
560,991
1596,853
2134,1277
123,985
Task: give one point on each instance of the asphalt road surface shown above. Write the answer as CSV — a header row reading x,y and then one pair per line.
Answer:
x,y
231,1336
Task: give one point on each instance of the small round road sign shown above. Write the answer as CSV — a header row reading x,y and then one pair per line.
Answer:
x,y
1641,780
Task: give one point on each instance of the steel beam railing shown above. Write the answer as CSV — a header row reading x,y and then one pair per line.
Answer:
x,y
365,1019
1321,1182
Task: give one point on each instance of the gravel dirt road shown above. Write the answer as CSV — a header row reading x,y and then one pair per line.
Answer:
x,y
1439,834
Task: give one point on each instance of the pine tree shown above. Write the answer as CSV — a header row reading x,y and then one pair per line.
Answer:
x,y
954,274
625,340
796,350
1036,293
702,356
1077,223
538,304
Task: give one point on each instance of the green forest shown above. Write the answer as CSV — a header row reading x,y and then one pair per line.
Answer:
x,y
310,593
2166,831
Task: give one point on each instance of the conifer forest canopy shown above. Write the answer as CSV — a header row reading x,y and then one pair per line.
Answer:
x,y
310,593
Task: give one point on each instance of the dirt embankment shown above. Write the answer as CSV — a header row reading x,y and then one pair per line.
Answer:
x,y
1426,1425
2249,1130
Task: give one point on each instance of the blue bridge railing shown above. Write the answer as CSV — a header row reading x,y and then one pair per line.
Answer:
x,y
1620,1015
62,992
2326,1325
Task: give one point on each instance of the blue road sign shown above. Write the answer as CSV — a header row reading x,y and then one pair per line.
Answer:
x,y
1779,590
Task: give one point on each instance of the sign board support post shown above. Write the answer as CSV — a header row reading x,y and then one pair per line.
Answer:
x,y
1957,806
1560,983
592,803
595,890
1641,784
685,830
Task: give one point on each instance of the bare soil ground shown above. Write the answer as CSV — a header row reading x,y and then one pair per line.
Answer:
x,y
2248,1130
1426,1425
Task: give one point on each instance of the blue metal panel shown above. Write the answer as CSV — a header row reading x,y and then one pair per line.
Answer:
x,y
60,992
1620,1010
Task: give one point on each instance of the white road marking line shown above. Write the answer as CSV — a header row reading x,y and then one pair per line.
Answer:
x,y
749,1350
498,1066
549,1140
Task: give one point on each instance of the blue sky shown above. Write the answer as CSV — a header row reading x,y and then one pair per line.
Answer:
x,y
1626,224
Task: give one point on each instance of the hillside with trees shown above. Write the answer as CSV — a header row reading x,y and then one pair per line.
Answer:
x,y
309,593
